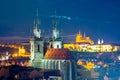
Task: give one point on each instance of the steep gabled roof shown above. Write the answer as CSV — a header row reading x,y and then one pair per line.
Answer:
x,y
58,54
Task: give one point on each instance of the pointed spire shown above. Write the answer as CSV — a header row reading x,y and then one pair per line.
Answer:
x,y
37,31
55,13
55,31
99,41
37,12
55,24
84,35
79,32
102,41
55,21
36,21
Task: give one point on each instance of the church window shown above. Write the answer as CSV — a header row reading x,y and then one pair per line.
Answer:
x,y
41,48
57,46
51,46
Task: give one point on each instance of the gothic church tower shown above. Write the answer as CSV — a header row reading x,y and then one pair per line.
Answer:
x,y
36,45
56,40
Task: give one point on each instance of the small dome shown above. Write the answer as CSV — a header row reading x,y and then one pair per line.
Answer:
x,y
58,54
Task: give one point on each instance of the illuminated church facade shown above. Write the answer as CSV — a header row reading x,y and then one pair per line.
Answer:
x,y
50,54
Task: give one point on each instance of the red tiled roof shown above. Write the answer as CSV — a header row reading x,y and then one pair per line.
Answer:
x,y
58,54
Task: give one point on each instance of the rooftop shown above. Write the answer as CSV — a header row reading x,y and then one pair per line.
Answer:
x,y
58,54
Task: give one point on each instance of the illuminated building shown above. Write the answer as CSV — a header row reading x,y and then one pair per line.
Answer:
x,y
50,54
21,52
81,39
102,48
85,44
36,45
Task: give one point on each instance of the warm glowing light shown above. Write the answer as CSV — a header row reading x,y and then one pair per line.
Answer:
x,y
15,54
89,65
26,63
91,48
105,65
21,50
100,63
80,62
115,48
81,39
85,44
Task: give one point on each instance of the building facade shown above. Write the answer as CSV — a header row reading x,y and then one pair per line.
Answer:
x,y
51,54
86,44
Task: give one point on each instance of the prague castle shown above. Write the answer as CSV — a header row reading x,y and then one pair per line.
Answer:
x,y
86,44
81,39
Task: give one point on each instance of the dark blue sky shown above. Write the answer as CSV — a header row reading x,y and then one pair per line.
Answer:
x,y
100,19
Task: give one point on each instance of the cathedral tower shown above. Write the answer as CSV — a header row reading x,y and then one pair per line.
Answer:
x,y
55,32
56,40
36,30
37,45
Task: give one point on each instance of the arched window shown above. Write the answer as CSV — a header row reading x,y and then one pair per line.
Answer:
x,y
57,46
51,46
38,48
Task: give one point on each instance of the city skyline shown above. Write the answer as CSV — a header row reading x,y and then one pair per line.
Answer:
x,y
98,19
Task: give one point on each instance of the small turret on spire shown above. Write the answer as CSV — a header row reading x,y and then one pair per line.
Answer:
x,y
55,13
99,41
55,31
37,31
84,35
55,24
55,21
37,12
79,32
102,41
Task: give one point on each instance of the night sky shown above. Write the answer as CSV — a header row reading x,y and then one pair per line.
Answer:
x,y
99,19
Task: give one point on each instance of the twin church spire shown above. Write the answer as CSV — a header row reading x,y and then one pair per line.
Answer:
x,y
37,30
55,31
